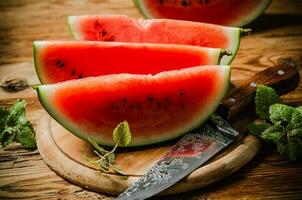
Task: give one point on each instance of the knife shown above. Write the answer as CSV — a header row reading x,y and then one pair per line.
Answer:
x,y
194,149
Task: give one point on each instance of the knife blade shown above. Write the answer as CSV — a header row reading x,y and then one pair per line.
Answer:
x,y
189,153
194,149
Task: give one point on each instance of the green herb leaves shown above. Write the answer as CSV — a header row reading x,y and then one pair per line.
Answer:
x,y
15,127
283,125
265,96
257,129
121,137
122,134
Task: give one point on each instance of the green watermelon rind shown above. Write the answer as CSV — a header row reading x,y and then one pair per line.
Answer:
x,y
71,26
245,21
55,114
36,61
235,34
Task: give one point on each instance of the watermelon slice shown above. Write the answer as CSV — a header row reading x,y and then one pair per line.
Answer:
x,y
60,61
121,28
157,107
223,12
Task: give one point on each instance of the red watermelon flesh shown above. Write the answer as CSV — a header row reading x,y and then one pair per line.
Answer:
x,y
60,61
157,107
121,28
223,12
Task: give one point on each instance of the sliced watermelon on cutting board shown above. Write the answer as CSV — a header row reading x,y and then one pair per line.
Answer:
x,y
60,61
223,12
158,107
120,28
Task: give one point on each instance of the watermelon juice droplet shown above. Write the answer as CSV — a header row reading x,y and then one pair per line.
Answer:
x,y
231,100
280,72
253,84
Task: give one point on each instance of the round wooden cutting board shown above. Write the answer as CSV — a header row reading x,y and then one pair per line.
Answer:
x,y
64,153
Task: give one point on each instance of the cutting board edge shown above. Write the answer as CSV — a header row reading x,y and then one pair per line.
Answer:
x,y
114,184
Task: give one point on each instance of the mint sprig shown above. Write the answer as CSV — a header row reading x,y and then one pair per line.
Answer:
x,y
15,127
265,97
105,162
282,126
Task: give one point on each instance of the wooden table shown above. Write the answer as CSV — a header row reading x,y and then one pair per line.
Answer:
x,y
277,37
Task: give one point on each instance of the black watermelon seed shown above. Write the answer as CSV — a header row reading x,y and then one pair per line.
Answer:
x,y
124,100
181,93
158,104
184,3
97,24
80,76
73,72
59,63
161,1
104,32
204,1
167,100
150,98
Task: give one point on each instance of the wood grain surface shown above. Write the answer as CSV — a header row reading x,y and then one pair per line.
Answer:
x,y
277,37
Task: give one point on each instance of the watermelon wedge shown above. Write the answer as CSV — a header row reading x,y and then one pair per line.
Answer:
x,y
120,28
223,12
157,107
60,61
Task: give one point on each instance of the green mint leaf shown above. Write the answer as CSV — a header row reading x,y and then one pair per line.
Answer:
x,y
295,121
3,118
26,135
296,134
280,113
265,97
122,134
257,129
7,136
283,150
299,109
15,127
273,133
295,150
17,114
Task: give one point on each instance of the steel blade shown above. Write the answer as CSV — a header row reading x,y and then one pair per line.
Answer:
x,y
189,153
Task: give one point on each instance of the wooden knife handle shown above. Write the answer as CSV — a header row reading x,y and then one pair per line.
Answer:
x,y
283,78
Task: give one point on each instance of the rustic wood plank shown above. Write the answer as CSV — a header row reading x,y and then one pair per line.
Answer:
x,y
277,37
23,174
